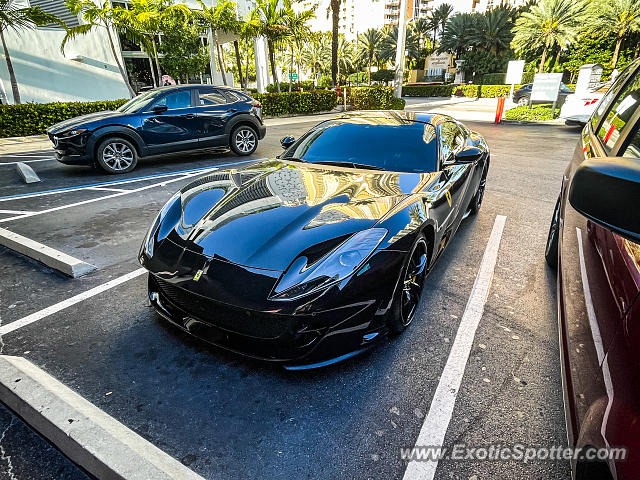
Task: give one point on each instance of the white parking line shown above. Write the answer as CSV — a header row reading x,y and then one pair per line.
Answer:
x,y
34,317
98,199
437,420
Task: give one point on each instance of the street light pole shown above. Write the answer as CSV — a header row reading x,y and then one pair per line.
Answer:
x,y
402,30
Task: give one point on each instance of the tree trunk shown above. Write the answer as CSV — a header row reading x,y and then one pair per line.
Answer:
x,y
12,75
335,16
223,72
557,60
272,60
433,47
122,72
153,73
246,83
369,72
616,52
291,70
543,59
157,60
239,62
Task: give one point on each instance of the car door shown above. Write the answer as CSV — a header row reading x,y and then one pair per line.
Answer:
x,y
170,124
599,277
457,176
214,111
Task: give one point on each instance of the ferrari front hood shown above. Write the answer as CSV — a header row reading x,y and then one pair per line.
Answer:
x,y
265,215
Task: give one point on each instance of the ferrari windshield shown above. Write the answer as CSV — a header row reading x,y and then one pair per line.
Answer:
x,y
377,143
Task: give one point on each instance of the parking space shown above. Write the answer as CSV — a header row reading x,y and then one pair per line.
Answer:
x,y
228,417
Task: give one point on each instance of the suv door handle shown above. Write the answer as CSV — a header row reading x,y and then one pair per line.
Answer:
x,y
189,115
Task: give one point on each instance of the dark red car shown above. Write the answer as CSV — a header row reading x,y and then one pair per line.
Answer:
x,y
594,241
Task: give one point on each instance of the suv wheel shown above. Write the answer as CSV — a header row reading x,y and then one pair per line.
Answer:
x,y
244,140
116,155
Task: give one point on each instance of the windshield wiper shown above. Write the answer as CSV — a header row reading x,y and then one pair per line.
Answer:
x,y
351,164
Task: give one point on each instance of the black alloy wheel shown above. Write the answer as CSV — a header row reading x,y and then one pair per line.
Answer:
x,y
412,279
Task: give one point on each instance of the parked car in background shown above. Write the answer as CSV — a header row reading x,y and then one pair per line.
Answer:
x,y
162,120
594,242
578,107
521,95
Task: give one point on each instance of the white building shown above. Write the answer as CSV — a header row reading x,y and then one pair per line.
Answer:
x,y
356,16
87,71
414,9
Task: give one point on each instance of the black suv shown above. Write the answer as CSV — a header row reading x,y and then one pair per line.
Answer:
x,y
163,120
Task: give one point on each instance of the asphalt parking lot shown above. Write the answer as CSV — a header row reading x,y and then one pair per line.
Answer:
x,y
228,417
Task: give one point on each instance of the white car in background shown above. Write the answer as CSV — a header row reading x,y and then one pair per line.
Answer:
x,y
579,106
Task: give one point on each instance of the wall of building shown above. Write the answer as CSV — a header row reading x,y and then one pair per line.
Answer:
x,y
44,74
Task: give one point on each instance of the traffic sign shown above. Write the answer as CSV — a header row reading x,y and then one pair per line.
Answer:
x,y
293,76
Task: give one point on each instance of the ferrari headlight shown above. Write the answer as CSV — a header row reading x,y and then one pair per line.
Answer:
x,y
301,279
166,220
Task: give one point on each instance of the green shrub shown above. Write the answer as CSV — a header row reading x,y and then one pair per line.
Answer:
x,y
426,91
383,75
397,103
34,118
527,77
535,113
285,103
493,78
372,98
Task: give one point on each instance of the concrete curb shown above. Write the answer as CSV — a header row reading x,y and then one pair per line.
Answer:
x,y
88,436
27,173
551,123
49,256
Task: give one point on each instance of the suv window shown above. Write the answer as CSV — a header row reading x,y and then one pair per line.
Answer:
x,y
451,140
210,96
233,96
633,149
619,114
609,96
175,100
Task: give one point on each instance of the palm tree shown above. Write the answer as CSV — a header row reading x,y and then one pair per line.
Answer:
x,y
96,15
620,17
345,56
335,18
16,19
457,34
272,26
549,24
298,30
492,30
248,29
422,28
316,56
221,17
433,22
442,14
389,42
368,43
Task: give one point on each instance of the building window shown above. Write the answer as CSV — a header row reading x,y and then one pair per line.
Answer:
x,y
59,9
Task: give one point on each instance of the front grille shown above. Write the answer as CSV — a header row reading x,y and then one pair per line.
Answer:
x,y
245,322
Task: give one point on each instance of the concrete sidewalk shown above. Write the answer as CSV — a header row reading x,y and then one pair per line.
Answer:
x,y
31,143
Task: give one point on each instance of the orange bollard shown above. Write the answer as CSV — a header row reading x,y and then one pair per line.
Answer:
x,y
500,109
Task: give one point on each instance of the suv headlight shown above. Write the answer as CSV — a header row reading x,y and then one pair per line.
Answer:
x,y
164,222
302,279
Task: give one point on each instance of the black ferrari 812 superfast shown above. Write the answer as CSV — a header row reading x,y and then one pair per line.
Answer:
x,y
314,256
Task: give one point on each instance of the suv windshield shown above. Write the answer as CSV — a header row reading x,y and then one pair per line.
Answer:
x,y
404,146
136,103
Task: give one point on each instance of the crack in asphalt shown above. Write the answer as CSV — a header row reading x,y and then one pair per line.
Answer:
x,y
3,454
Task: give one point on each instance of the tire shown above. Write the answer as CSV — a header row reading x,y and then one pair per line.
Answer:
x,y
551,249
591,470
407,297
243,140
523,101
115,155
476,202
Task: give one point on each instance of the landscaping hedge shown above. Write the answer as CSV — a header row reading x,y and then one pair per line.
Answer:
x,y
472,91
374,98
535,113
285,103
34,118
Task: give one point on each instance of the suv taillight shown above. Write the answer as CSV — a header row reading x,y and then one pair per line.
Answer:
x,y
257,104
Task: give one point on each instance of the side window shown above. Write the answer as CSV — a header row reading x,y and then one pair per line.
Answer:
x,y
619,114
451,140
210,97
233,97
175,100
609,96
633,149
